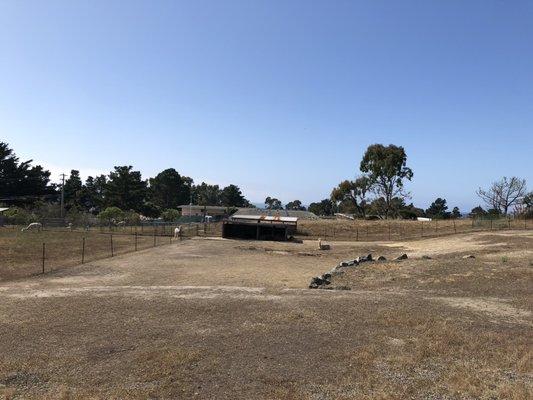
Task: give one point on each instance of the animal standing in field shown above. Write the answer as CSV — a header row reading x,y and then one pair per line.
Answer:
x,y
121,223
33,225
177,232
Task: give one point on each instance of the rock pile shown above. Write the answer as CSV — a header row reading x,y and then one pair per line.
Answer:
x,y
323,281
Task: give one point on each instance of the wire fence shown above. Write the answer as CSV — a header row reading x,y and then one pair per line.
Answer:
x,y
394,230
36,252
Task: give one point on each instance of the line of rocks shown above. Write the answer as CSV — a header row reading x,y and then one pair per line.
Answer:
x,y
324,281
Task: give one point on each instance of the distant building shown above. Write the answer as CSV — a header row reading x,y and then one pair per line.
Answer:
x,y
202,211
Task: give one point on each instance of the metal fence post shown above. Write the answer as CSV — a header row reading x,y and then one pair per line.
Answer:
x,y
422,229
154,238
356,234
491,224
135,241
111,236
454,228
83,250
44,252
389,231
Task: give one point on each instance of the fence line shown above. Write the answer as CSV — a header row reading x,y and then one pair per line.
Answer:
x,y
360,230
36,253
32,252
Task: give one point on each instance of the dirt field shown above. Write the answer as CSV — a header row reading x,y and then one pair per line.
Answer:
x,y
220,319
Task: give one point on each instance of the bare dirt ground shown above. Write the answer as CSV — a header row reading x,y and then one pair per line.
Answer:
x,y
216,319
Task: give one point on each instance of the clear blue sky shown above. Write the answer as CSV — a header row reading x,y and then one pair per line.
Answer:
x,y
278,97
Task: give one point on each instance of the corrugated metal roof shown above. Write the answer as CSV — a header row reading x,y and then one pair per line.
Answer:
x,y
2,209
264,218
275,213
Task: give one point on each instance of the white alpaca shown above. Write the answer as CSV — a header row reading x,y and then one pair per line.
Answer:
x,y
33,225
121,223
177,232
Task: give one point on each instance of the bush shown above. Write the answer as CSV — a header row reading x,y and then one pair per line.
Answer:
x,y
111,213
19,216
170,215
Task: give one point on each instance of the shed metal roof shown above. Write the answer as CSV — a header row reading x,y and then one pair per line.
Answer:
x,y
275,213
269,218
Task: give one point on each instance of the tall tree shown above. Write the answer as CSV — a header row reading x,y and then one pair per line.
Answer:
x,y
125,189
477,212
295,205
503,193
73,190
325,207
20,182
438,209
206,195
169,189
353,193
231,196
387,169
271,203
456,213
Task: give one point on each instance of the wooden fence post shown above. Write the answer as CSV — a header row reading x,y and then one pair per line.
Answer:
x,y
454,228
356,234
83,250
44,253
154,239
111,241
422,228
389,231
491,224
135,241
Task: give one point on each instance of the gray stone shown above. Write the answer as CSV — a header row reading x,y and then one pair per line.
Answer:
x,y
402,257
469,256
424,257
382,258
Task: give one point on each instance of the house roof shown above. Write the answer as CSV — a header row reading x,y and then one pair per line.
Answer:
x,y
2,209
196,207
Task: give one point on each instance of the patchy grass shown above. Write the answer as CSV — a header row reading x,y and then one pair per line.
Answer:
x,y
384,230
232,319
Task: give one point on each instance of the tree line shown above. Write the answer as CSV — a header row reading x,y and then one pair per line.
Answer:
x,y
24,185
377,191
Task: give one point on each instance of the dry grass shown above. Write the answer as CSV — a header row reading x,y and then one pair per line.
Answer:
x,y
400,229
232,319
21,253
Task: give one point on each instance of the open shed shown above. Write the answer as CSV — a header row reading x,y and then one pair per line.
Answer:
x,y
259,227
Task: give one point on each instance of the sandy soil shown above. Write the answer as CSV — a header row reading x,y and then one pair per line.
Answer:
x,y
215,319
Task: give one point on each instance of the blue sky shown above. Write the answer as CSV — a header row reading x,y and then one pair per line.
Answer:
x,y
278,97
